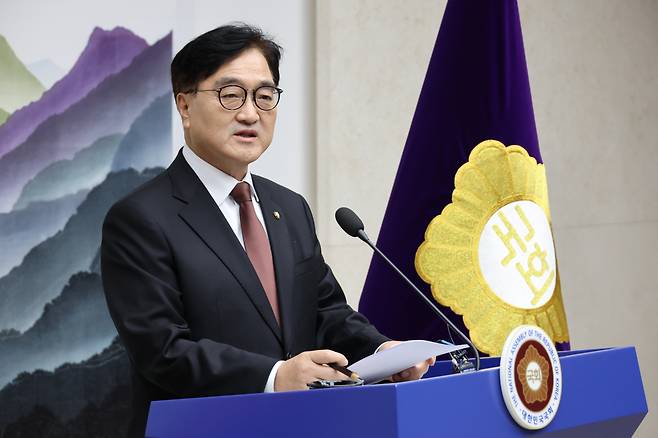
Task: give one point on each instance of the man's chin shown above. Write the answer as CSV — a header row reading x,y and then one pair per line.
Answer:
x,y
250,152
248,157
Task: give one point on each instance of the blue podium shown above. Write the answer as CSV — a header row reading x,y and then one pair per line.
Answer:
x,y
603,396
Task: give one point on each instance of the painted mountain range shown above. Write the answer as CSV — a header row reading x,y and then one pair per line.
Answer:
x,y
86,169
141,147
70,329
88,399
109,108
3,116
106,53
47,268
21,230
24,86
46,71
98,133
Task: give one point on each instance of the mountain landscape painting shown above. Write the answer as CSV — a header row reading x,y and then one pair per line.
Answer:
x,y
72,143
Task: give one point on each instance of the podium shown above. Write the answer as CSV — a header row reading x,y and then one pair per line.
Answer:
x,y
602,395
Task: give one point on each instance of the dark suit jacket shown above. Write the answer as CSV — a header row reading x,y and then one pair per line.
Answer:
x,y
188,304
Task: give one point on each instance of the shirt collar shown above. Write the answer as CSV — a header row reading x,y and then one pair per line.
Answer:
x,y
219,184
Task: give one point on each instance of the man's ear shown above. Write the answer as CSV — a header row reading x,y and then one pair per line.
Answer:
x,y
182,105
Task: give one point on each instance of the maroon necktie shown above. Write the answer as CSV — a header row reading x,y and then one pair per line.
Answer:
x,y
256,244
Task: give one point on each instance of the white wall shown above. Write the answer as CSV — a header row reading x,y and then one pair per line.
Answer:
x,y
371,62
594,76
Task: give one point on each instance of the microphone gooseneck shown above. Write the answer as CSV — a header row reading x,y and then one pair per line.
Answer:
x,y
352,225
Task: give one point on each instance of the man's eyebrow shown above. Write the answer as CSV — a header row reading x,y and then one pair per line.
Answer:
x,y
235,81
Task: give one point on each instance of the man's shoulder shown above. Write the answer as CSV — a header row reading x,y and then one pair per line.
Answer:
x,y
151,196
275,189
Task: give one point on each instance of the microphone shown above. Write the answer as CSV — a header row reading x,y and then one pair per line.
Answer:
x,y
352,225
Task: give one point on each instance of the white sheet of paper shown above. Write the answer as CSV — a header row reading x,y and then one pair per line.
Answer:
x,y
381,365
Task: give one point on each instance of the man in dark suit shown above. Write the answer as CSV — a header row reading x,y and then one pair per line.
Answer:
x,y
213,276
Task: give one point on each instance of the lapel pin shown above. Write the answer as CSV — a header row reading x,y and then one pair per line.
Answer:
x,y
276,215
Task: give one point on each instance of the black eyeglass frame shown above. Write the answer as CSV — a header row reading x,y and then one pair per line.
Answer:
x,y
246,92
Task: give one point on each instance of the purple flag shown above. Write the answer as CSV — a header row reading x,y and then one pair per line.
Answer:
x,y
476,88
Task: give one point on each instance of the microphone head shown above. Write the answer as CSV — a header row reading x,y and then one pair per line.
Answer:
x,y
349,221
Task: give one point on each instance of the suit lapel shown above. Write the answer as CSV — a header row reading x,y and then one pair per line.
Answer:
x,y
206,219
280,242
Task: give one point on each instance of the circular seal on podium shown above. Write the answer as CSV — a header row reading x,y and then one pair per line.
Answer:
x,y
530,377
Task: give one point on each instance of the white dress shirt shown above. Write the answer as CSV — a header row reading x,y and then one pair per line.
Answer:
x,y
220,185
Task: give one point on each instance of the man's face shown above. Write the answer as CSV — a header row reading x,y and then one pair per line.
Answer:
x,y
229,140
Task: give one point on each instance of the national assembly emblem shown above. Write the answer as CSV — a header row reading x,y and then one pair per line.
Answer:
x,y
530,377
490,255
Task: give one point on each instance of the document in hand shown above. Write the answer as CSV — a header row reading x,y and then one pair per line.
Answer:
x,y
381,365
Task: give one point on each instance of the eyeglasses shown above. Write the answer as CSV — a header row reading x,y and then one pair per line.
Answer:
x,y
233,97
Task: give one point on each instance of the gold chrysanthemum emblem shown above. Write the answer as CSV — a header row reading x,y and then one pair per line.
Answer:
x,y
489,255
533,375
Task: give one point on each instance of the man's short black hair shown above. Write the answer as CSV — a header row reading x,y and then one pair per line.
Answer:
x,y
202,56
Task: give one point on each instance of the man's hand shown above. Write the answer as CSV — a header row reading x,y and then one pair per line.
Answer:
x,y
413,373
307,367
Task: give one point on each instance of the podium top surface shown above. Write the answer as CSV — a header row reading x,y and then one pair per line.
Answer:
x,y
602,393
